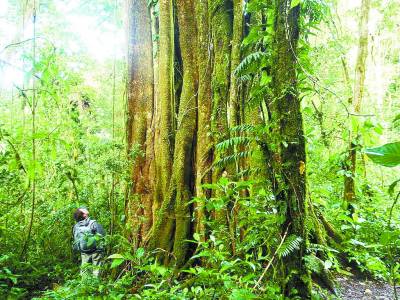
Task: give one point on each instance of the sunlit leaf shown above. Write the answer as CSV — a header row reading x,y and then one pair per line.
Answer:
x,y
139,252
387,155
116,256
117,262
295,3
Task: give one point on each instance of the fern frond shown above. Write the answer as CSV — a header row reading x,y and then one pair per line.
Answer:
x,y
244,78
232,158
251,60
234,141
314,264
291,244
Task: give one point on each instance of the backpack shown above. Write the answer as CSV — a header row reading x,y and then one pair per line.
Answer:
x,y
85,237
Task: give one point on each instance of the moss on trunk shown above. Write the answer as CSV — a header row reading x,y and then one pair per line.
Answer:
x,y
166,91
204,101
221,35
163,227
173,226
289,149
237,36
140,118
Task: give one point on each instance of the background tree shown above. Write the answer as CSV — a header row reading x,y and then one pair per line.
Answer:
x,y
360,70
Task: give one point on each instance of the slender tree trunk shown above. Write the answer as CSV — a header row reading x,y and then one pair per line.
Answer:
x,y
290,160
140,114
156,120
181,189
163,224
234,98
221,30
349,180
166,91
204,104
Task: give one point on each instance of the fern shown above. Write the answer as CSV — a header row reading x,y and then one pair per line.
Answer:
x,y
251,60
291,244
234,141
314,264
244,128
233,158
244,78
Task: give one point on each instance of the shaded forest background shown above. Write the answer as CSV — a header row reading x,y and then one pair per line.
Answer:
x,y
222,144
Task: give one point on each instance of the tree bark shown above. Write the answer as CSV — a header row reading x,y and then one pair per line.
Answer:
x,y
166,91
237,36
163,224
221,31
290,153
139,118
204,153
173,227
181,189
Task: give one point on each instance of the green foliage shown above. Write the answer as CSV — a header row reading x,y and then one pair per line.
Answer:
x,y
77,161
251,63
81,159
291,244
387,155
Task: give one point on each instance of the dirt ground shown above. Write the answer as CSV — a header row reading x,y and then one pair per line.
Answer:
x,y
362,289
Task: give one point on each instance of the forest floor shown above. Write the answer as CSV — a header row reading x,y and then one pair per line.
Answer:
x,y
353,288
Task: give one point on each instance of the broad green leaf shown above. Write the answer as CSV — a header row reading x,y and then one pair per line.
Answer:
x,y
387,237
40,135
196,236
378,129
295,3
210,186
265,79
355,123
308,110
387,155
223,181
91,240
117,262
139,252
116,256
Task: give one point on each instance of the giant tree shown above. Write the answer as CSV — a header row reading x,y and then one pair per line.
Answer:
x,y
191,118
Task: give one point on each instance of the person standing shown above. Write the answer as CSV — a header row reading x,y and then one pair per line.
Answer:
x,y
88,240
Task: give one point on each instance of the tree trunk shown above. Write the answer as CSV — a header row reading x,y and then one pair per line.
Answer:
x,y
234,99
221,31
349,180
139,119
290,155
173,226
204,101
166,92
181,189
164,136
